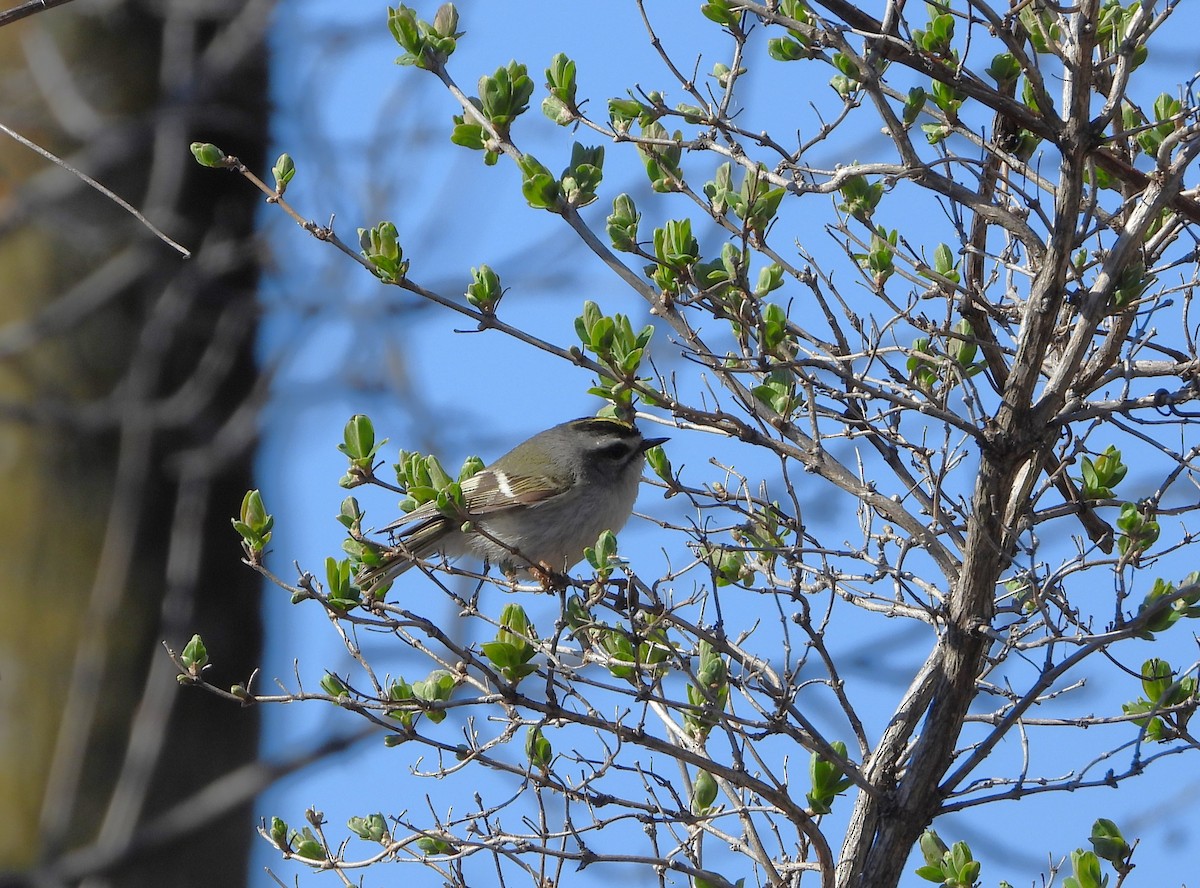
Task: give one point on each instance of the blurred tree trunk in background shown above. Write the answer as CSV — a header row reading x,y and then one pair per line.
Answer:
x,y
127,418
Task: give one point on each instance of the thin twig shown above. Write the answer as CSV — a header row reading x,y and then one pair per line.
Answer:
x,y
28,8
183,251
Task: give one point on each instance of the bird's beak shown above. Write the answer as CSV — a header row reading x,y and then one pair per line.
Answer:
x,y
647,443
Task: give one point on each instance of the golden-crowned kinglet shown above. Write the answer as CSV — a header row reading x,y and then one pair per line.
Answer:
x,y
535,509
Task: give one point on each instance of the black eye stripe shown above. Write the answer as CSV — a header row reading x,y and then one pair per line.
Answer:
x,y
616,450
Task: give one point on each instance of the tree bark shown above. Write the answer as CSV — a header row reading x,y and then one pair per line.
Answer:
x,y
125,374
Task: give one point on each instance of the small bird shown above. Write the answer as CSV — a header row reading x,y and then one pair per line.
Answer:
x,y
535,509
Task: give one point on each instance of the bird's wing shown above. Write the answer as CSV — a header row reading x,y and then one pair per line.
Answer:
x,y
484,493
421,516
489,492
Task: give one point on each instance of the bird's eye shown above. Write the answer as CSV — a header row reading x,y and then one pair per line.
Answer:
x,y
616,451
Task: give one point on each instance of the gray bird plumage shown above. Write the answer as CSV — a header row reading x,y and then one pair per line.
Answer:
x,y
538,506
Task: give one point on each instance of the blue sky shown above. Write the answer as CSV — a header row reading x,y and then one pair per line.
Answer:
x,y
344,344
